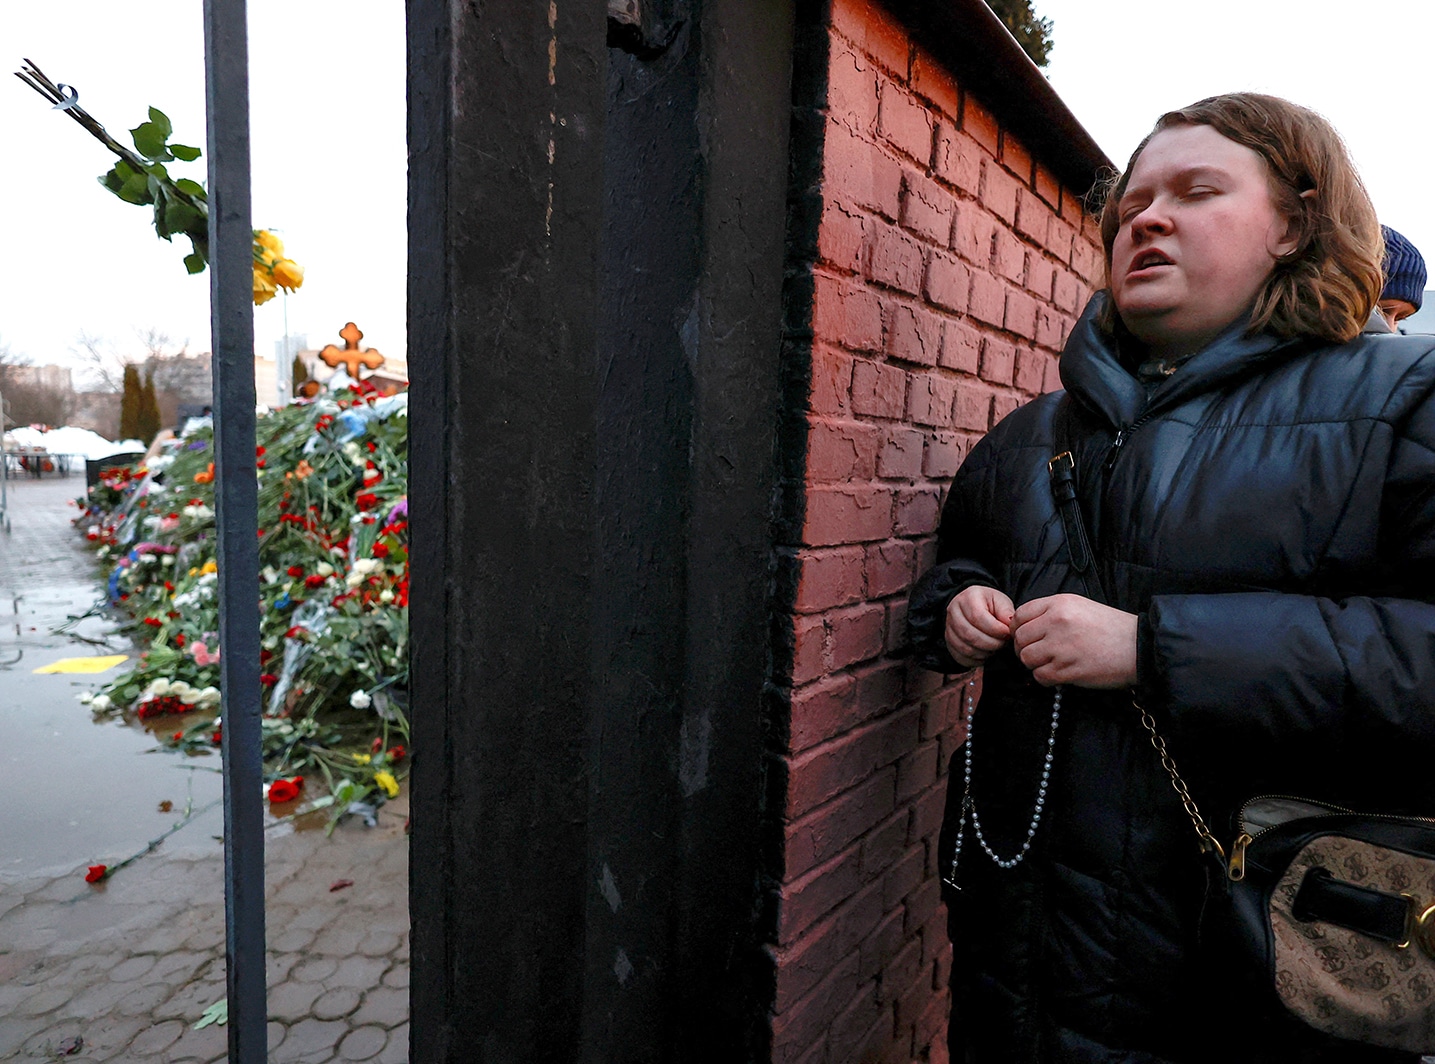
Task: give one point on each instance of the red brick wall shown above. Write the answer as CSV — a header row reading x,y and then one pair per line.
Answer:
x,y
948,266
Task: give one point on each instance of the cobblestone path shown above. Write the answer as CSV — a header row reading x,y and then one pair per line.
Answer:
x,y
121,971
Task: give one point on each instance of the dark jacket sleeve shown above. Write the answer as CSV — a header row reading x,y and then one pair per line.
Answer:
x,y
1263,667
962,562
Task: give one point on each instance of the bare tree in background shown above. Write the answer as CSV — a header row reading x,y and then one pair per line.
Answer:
x,y
33,395
100,362
180,378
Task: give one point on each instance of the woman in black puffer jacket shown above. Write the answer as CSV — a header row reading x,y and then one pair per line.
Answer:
x,y
1256,468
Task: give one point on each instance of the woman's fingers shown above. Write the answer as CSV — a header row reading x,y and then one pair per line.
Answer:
x,y
975,626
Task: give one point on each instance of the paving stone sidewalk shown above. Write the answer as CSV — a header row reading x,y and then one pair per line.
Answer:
x,y
131,964
121,970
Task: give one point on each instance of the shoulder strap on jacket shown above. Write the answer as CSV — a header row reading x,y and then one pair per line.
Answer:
x,y
1062,469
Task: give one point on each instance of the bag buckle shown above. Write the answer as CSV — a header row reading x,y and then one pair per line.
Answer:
x,y
1063,463
1418,928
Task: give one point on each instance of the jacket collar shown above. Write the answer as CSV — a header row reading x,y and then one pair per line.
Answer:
x,y
1091,368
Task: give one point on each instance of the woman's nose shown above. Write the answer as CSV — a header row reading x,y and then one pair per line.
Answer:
x,y
1152,219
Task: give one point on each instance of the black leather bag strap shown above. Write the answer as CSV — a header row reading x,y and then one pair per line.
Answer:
x,y
1062,470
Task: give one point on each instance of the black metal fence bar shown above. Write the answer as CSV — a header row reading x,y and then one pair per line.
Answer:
x,y
226,55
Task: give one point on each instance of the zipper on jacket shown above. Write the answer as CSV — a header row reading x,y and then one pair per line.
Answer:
x,y
1122,435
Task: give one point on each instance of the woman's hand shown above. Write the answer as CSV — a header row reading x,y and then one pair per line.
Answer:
x,y
978,624
1072,639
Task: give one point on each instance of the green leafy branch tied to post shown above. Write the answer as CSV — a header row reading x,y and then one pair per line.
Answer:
x,y
181,205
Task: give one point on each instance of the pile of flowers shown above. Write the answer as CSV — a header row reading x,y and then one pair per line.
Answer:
x,y
334,592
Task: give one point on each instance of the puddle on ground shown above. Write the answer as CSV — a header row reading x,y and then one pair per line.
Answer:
x,y
76,790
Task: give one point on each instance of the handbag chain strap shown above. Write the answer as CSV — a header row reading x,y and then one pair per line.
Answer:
x,y
1209,842
1062,471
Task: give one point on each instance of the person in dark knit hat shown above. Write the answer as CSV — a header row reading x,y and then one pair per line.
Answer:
x,y
1404,279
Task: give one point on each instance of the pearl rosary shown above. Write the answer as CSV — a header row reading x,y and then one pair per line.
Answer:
x,y
969,805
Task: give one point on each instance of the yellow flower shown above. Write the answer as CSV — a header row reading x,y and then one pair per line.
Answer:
x,y
288,274
268,241
263,288
363,759
387,783
210,566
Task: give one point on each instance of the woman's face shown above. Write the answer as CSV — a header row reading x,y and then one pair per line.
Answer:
x,y
1199,236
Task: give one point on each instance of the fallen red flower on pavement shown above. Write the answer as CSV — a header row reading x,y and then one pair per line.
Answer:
x,y
96,873
285,790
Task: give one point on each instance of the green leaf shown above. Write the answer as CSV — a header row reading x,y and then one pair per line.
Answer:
x,y
184,152
179,216
219,1011
191,188
194,262
135,189
161,121
149,142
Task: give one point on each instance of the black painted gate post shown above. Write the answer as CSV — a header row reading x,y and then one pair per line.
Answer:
x,y
596,251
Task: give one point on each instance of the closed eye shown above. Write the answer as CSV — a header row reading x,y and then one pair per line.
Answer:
x,y
1132,210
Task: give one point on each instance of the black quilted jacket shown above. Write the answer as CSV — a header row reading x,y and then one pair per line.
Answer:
x,y
1269,512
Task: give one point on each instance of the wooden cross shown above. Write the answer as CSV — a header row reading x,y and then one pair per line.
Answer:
x,y
350,354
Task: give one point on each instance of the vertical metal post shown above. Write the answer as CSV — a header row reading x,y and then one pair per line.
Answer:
x,y
226,56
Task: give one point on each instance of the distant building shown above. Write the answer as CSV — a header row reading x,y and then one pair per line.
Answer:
x,y
53,378
98,412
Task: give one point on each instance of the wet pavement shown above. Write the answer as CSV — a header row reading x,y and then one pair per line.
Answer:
x,y
122,970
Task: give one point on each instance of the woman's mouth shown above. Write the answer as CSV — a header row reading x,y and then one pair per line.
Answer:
x,y
1149,259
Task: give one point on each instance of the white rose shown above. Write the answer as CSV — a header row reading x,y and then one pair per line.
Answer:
x,y
166,559
101,702
360,700
386,596
324,569
207,698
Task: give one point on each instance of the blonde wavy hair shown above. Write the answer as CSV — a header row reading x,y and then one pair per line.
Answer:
x,y
1328,285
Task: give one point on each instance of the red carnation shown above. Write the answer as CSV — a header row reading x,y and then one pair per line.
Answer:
x,y
295,570
178,736
179,640
313,580
96,873
366,500
381,550
285,790
376,745
396,754
268,679
153,622
259,452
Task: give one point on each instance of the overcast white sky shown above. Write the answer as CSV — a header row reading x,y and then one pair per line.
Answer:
x,y
327,119
329,154
1119,64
